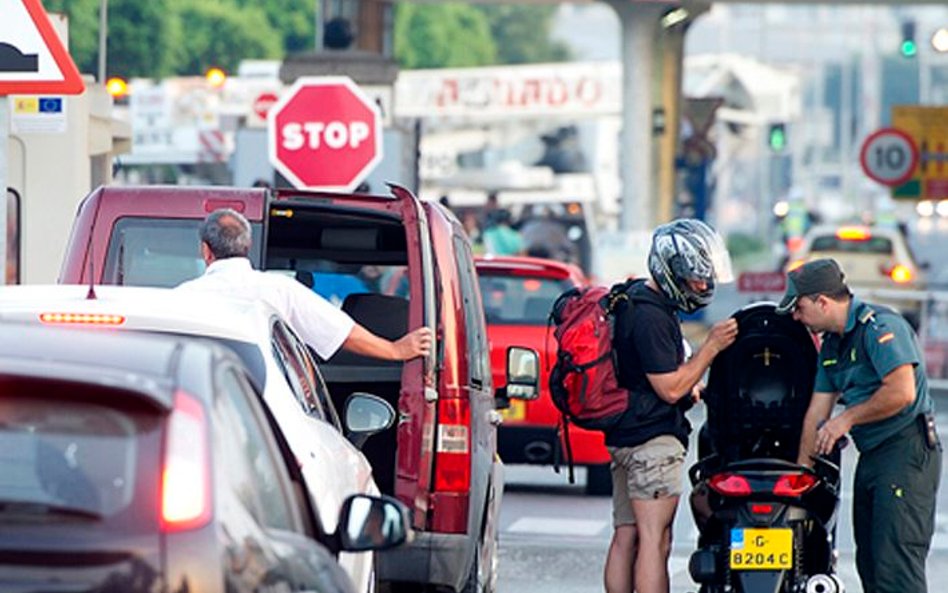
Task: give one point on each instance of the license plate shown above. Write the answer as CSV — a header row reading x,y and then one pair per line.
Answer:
x,y
516,412
761,549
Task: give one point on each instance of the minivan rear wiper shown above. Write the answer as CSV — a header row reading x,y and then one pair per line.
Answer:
x,y
30,509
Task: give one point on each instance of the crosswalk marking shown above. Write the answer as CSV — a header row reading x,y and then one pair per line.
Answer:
x,y
551,526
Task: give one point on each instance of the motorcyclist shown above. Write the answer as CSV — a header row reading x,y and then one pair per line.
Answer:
x,y
686,262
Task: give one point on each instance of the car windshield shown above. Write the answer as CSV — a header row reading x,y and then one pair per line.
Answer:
x,y
63,460
874,245
520,300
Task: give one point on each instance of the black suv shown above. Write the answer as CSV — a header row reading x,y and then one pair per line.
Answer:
x,y
136,462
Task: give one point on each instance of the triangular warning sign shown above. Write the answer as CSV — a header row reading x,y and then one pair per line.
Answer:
x,y
32,57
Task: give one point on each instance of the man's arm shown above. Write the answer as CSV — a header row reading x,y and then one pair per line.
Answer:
x,y
677,384
362,341
896,392
821,405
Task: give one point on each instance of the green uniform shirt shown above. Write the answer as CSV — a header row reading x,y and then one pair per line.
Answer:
x,y
875,342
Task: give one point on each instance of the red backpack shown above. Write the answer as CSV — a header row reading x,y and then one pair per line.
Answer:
x,y
583,382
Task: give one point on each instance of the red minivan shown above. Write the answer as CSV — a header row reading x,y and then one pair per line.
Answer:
x,y
518,294
392,262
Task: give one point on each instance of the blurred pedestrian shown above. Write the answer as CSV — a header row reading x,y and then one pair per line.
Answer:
x,y
501,238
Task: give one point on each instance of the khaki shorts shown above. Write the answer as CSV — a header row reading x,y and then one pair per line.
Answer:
x,y
645,472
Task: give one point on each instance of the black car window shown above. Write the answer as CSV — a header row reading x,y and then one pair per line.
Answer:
x,y
295,370
255,474
519,300
320,391
62,459
478,350
878,245
158,252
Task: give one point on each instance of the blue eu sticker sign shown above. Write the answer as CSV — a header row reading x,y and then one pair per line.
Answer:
x,y
737,539
51,105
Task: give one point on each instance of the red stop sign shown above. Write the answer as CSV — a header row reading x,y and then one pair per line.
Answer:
x,y
324,133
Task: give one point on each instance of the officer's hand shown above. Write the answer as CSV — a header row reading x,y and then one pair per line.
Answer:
x,y
830,432
722,335
413,344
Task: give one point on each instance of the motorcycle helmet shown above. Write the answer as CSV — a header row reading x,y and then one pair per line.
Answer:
x,y
685,251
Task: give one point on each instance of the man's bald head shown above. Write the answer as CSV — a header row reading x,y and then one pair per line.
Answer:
x,y
226,233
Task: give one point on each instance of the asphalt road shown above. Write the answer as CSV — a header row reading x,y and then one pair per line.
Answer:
x,y
554,539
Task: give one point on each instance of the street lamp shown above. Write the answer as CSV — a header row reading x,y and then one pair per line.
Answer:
x,y
940,40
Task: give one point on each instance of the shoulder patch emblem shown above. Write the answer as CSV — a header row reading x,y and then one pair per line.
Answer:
x,y
886,337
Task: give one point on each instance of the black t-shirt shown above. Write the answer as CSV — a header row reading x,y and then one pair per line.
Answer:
x,y
647,339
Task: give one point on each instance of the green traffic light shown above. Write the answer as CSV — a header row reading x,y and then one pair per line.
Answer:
x,y
909,48
778,138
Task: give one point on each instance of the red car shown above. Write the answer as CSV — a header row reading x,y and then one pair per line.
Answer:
x,y
518,293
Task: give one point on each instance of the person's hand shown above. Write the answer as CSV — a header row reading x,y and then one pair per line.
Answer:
x,y
830,432
413,344
722,335
697,391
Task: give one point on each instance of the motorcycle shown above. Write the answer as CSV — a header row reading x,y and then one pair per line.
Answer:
x,y
766,524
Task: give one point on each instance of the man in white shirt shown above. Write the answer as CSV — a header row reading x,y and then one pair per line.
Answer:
x,y
225,242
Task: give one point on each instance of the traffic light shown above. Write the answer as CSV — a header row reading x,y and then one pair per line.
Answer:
x,y
777,137
909,47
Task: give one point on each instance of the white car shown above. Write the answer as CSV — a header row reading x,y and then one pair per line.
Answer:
x,y
287,374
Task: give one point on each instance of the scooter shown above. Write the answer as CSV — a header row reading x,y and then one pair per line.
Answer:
x,y
766,524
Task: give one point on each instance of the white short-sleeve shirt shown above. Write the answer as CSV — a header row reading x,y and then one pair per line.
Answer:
x,y
319,323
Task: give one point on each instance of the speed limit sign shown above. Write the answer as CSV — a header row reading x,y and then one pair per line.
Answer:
x,y
889,156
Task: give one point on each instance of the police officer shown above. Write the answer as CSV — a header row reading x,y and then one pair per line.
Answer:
x,y
871,360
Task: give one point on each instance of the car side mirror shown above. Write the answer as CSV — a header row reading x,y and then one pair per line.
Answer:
x,y
366,415
372,523
523,375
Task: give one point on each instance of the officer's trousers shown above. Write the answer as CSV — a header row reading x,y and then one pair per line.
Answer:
x,y
894,512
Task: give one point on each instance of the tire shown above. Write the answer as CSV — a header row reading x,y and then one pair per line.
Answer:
x,y
599,480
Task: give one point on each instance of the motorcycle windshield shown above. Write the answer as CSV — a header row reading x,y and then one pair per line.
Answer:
x,y
759,388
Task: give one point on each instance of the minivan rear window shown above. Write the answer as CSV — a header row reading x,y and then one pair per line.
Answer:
x,y
159,252
66,460
878,245
519,300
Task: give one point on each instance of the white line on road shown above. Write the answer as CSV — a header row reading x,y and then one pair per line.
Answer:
x,y
548,526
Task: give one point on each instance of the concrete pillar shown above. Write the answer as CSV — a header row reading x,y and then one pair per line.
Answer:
x,y
640,22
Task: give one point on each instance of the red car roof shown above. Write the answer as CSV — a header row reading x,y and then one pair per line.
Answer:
x,y
523,264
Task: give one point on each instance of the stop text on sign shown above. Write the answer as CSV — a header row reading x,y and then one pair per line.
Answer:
x,y
316,134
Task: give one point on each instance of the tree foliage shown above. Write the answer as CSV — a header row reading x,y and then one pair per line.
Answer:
x,y
522,33
214,34
156,38
442,36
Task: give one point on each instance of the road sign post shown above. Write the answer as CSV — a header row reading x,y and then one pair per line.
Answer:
x,y
32,60
324,133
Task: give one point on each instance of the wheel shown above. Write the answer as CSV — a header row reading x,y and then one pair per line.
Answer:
x,y
599,480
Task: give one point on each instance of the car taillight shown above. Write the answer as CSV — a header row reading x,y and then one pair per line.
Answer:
x,y
185,475
900,274
98,319
730,485
453,449
794,484
762,509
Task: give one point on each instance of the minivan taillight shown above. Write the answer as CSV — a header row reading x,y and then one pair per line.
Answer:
x,y
453,449
185,475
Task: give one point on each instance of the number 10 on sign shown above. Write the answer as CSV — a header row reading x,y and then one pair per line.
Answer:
x,y
889,156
